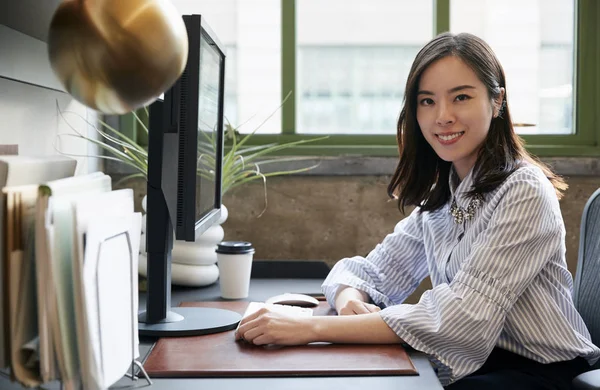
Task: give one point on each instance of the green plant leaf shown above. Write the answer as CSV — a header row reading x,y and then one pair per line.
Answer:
x,y
246,138
141,122
257,147
120,137
241,164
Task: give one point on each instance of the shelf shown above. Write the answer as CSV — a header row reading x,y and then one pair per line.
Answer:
x,y
23,35
30,17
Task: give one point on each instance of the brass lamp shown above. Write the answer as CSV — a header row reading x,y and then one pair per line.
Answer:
x,y
117,55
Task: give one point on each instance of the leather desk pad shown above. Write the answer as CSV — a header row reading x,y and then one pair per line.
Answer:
x,y
218,355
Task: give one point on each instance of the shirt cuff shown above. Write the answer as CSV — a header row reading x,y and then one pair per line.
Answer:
x,y
488,286
391,316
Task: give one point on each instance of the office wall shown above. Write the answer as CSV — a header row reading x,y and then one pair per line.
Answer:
x,y
30,98
331,217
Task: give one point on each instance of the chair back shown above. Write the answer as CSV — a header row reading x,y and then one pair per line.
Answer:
x,y
586,291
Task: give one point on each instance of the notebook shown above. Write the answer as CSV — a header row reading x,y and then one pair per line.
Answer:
x,y
219,355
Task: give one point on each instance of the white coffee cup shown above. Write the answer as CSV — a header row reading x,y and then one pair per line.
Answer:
x,y
234,259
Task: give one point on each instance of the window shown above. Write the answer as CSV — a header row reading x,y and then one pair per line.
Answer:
x,y
353,58
250,31
563,36
534,41
346,63
351,90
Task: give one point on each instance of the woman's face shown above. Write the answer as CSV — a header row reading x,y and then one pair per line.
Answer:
x,y
454,112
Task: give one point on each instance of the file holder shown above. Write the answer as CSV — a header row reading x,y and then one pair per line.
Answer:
x,y
134,362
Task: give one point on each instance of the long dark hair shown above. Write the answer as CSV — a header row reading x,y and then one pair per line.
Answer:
x,y
421,177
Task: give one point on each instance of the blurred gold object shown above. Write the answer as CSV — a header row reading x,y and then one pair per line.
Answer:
x,y
117,55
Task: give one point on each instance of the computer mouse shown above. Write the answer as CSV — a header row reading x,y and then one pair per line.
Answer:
x,y
293,299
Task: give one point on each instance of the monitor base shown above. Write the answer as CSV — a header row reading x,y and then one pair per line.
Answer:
x,y
194,321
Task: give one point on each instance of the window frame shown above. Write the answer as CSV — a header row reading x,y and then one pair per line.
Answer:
x,y
585,141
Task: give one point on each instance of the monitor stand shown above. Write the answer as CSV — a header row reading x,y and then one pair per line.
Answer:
x,y
159,319
190,321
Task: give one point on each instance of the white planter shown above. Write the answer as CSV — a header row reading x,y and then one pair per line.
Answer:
x,y
186,275
192,263
199,252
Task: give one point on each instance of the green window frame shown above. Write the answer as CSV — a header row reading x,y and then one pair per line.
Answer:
x,y
584,142
131,128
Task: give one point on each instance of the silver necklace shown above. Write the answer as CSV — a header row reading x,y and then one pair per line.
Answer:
x,y
460,215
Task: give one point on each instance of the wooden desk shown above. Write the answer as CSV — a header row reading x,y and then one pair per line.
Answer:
x,y
260,290
219,356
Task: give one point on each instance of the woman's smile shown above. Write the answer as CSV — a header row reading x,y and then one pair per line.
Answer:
x,y
449,138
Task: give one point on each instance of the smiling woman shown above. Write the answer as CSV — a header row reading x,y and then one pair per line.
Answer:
x,y
456,116
487,229
454,111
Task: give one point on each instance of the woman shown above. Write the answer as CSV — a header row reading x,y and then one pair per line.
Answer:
x,y
487,229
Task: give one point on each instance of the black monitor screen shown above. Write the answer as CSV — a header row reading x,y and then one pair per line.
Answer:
x,y
208,124
185,156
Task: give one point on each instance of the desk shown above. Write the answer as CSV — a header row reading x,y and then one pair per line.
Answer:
x,y
261,289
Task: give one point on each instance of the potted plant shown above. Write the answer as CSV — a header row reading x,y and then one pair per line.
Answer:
x,y
241,163
194,263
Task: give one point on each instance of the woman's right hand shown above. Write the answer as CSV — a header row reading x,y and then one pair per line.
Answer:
x,y
356,306
350,301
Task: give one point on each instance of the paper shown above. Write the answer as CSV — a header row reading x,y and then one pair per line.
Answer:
x,y
17,171
70,287
20,289
46,302
110,297
22,170
59,268
21,285
102,207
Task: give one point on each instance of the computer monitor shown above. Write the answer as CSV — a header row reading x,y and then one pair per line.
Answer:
x,y
185,157
201,97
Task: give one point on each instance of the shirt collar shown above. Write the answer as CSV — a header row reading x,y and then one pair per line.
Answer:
x,y
458,189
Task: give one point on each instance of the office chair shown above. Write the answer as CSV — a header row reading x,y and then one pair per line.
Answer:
x,y
587,283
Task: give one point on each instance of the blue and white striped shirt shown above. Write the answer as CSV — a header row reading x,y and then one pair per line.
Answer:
x,y
499,280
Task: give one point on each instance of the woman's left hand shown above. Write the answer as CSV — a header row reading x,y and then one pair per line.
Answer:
x,y
267,327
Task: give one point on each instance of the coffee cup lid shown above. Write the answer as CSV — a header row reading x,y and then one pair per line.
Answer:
x,y
234,247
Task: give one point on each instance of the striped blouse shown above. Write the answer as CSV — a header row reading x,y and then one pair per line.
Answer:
x,y
499,279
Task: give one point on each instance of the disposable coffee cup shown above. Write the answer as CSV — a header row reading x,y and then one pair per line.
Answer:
x,y
234,259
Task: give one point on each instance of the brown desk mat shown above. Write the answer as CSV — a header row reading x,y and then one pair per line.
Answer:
x,y
218,355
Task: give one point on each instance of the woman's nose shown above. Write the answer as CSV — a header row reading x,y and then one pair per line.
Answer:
x,y
445,116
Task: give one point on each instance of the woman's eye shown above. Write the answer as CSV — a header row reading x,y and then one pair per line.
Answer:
x,y
462,97
426,101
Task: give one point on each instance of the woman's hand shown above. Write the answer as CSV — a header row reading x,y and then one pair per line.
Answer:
x,y
268,327
356,306
350,301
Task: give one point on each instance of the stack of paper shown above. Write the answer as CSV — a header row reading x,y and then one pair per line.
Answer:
x,y
69,295
18,171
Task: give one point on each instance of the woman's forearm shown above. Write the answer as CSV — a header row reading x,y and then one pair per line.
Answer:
x,y
347,293
359,329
